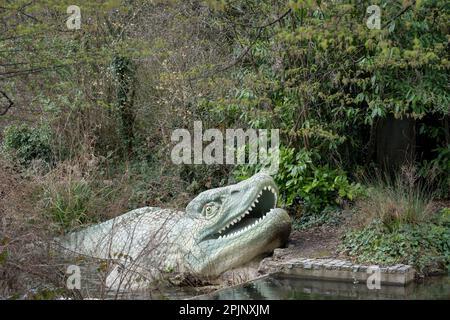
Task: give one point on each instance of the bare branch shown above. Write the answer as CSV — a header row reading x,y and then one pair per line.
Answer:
x,y
10,103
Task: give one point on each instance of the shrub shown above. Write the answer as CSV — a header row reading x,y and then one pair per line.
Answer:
x,y
24,143
398,200
425,246
329,216
302,182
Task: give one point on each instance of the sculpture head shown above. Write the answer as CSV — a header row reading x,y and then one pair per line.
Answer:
x,y
235,224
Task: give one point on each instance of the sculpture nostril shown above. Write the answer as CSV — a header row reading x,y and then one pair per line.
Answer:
x,y
234,191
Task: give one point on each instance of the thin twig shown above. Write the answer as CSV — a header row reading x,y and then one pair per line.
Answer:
x,y
399,14
10,103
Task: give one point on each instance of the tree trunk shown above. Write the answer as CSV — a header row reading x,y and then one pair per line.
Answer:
x,y
396,141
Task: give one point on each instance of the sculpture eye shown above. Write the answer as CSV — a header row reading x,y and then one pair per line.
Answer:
x,y
210,209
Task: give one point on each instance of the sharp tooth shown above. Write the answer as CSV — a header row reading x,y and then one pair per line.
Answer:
x,y
253,205
256,201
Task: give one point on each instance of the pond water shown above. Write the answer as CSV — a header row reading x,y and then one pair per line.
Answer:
x,y
278,287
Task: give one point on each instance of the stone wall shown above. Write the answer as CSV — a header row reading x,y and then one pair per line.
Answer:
x,y
337,270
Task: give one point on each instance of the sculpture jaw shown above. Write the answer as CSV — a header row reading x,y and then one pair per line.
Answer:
x,y
215,256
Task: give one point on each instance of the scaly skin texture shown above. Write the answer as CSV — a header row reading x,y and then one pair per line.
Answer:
x,y
221,229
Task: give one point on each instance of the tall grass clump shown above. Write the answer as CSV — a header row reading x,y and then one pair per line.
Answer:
x,y
397,200
76,193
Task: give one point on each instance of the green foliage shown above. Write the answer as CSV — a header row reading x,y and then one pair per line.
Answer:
x,y
3,256
329,217
325,79
68,204
316,186
24,143
426,246
301,181
47,294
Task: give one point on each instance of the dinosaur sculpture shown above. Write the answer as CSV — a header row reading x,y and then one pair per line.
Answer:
x,y
221,229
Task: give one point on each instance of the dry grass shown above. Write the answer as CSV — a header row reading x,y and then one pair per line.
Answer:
x,y
37,205
25,262
397,200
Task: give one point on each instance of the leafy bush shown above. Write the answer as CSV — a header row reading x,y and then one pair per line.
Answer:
x,y
302,182
328,216
425,246
24,143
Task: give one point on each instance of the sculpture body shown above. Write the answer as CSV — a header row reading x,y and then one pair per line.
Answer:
x,y
221,229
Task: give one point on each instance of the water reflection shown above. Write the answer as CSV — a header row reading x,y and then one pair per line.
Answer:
x,y
283,287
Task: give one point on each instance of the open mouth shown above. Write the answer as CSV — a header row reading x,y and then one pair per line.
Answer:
x,y
256,212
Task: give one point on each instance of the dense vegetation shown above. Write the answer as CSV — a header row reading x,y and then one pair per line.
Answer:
x,y
87,114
